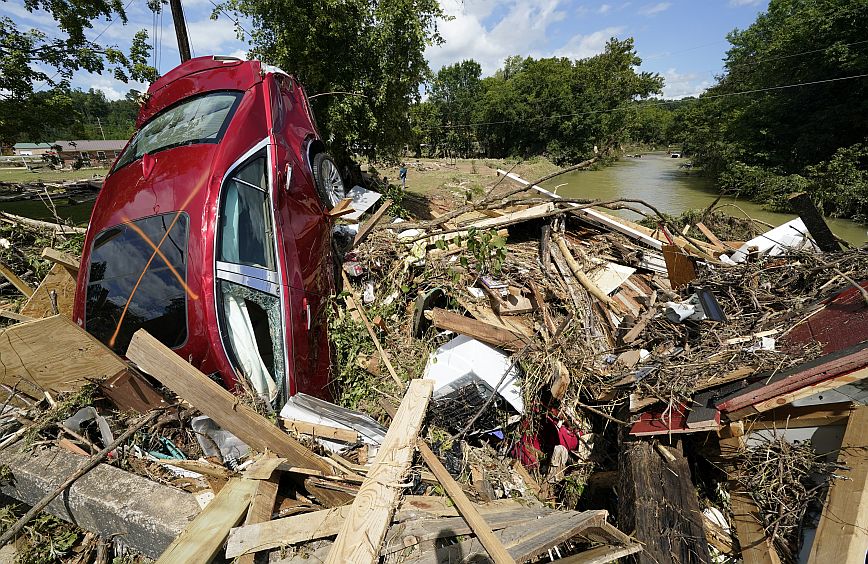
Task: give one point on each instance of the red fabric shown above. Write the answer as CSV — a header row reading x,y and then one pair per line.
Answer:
x,y
549,434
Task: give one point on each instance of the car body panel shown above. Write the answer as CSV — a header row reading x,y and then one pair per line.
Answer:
x,y
273,115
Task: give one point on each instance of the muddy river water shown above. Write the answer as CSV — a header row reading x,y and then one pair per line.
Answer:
x,y
658,180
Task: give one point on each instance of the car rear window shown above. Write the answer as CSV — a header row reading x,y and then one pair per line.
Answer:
x,y
202,119
130,286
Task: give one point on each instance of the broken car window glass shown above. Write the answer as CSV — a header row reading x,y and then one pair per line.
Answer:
x,y
202,119
245,220
125,294
251,329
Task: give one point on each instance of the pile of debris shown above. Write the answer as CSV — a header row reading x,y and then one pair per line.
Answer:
x,y
68,192
578,387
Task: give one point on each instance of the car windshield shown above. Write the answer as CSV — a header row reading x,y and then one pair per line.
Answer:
x,y
132,286
202,119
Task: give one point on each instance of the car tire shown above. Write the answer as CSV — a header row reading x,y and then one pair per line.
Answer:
x,y
328,180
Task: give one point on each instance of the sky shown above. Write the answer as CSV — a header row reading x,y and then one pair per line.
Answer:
x,y
682,40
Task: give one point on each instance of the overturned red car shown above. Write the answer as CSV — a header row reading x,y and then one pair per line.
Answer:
x,y
211,230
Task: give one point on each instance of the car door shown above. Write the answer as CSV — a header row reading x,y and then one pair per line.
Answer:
x,y
249,292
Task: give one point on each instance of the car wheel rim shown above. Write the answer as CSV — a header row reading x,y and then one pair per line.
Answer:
x,y
333,184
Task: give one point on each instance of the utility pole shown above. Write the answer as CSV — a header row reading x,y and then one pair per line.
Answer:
x,y
180,29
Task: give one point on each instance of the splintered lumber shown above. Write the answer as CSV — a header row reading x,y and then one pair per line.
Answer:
x,y
467,510
203,538
842,534
53,354
485,332
366,228
364,529
66,260
222,406
20,284
583,279
657,500
812,218
601,554
789,417
91,463
353,306
59,281
319,430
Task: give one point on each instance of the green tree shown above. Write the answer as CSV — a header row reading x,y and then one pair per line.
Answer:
x,y
28,57
373,49
455,93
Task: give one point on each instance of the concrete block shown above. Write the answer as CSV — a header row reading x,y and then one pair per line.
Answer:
x,y
132,510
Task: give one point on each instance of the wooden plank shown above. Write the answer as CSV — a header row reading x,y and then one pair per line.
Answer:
x,y
535,212
711,236
203,538
642,322
15,316
365,527
601,554
369,225
62,283
342,208
842,534
261,509
286,531
20,284
54,355
222,406
485,332
68,261
318,430
468,511
517,325
583,279
806,392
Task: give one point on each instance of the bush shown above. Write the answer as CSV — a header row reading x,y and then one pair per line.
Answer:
x,y
840,185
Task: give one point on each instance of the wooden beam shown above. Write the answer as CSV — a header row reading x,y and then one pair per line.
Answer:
x,y
20,284
535,212
364,529
203,538
41,304
842,534
15,316
223,407
319,430
366,228
467,510
286,531
64,259
485,332
789,417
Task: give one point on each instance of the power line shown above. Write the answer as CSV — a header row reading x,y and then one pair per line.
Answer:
x,y
241,27
661,103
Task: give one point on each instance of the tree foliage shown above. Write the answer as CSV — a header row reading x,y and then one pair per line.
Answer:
x,y
556,106
371,48
764,141
31,61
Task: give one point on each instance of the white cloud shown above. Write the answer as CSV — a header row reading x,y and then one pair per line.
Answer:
x,y
745,2
212,37
677,85
18,12
113,89
604,8
652,9
583,46
523,29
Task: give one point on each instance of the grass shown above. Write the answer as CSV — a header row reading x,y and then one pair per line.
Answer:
x,y
22,175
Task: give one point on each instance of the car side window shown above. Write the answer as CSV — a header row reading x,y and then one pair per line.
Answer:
x,y
245,235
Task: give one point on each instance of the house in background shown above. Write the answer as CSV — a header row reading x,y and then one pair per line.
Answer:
x,y
31,149
90,150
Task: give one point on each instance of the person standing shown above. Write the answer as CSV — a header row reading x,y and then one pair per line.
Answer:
x,y
402,174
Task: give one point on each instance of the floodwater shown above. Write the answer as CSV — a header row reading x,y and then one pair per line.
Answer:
x,y
658,180
79,214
